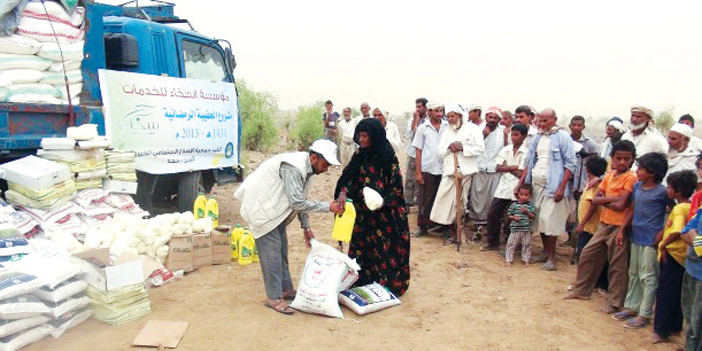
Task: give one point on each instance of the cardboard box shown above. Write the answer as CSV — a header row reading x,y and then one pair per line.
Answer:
x,y
180,253
34,172
119,186
202,250
105,276
221,245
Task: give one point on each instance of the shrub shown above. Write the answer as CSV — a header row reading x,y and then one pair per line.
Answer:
x,y
258,132
308,125
664,119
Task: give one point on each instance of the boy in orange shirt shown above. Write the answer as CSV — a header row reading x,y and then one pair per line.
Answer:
x,y
613,196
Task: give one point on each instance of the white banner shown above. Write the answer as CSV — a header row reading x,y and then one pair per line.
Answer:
x,y
173,124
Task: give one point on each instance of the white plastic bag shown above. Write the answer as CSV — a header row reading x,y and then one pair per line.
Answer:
x,y
20,307
12,61
69,321
373,200
368,298
9,327
319,286
20,340
71,52
68,66
62,291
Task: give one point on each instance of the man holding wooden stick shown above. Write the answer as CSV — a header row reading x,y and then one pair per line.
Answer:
x,y
459,147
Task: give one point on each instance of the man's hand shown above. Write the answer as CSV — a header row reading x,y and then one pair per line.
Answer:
x,y
336,207
558,196
307,232
415,120
579,228
620,239
456,146
486,131
418,177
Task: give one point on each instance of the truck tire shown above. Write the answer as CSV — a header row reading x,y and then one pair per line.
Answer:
x,y
189,187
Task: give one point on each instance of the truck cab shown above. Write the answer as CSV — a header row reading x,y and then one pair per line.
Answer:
x,y
134,39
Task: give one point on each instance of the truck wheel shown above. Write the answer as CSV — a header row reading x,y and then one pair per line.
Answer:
x,y
189,187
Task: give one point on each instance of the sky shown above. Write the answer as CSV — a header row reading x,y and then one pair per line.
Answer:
x,y
595,58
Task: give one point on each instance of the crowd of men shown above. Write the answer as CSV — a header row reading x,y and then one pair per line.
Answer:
x,y
521,172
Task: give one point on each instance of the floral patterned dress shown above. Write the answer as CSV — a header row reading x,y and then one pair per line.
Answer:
x,y
381,242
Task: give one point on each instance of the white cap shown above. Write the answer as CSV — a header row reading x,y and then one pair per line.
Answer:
x,y
327,149
683,129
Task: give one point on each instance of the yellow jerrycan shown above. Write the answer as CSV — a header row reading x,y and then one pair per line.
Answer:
x,y
343,224
200,206
212,210
237,232
246,248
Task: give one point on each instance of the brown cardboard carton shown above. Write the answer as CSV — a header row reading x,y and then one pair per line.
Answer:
x,y
221,245
202,250
180,253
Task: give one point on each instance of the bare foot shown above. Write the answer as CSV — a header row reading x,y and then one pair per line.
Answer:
x,y
526,263
508,264
657,339
574,296
608,309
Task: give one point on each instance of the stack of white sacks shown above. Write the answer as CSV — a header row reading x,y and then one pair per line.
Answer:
x,y
83,151
40,295
121,170
31,66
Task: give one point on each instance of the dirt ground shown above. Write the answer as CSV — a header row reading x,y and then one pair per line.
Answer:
x,y
456,301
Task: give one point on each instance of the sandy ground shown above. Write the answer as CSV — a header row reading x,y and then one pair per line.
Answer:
x,y
456,301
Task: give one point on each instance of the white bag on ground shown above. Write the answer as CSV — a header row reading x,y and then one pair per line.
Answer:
x,y
368,298
9,327
62,291
74,303
20,340
21,307
69,321
319,286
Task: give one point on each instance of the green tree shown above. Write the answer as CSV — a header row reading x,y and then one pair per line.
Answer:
x,y
664,119
308,125
258,132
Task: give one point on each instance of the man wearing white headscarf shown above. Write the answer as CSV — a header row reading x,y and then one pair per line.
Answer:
x,y
643,134
486,181
466,141
695,142
391,131
615,130
681,155
428,166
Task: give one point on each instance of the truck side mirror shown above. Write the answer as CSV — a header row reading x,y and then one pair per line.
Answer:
x,y
121,50
231,61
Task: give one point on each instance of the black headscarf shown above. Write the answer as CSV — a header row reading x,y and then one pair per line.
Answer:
x,y
379,154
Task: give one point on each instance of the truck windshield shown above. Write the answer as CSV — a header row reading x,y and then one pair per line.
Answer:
x,y
203,62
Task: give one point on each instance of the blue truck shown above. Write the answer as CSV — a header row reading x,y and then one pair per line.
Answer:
x,y
133,38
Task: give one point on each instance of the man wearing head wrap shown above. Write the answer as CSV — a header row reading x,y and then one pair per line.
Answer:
x,y
428,166
681,155
391,131
549,165
270,198
615,130
524,115
643,134
346,126
466,141
475,115
486,181
420,114
695,142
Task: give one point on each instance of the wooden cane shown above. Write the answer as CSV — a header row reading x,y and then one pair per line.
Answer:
x,y
457,183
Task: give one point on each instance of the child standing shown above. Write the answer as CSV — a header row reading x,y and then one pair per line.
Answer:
x,y
671,255
521,214
650,200
691,296
613,195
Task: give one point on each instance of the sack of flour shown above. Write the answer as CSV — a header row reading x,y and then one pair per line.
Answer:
x,y
368,298
325,270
